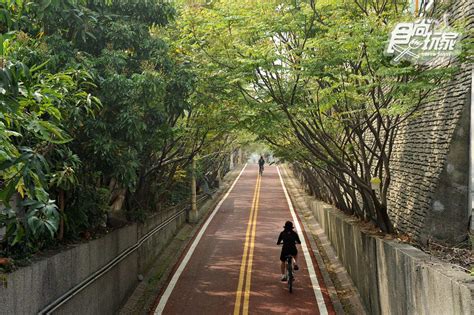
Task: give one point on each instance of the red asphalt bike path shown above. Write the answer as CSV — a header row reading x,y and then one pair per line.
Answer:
x,y
205,280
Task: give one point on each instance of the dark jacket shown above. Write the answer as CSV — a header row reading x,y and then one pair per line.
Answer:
x,y
289,238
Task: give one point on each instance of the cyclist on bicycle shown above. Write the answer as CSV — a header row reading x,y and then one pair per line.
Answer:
x,y
261,163
289,238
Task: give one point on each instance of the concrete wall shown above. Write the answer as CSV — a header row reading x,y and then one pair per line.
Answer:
x,y
393,277
153,246
29,289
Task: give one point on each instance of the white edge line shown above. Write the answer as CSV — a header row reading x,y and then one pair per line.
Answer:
x,y
312,274
169,289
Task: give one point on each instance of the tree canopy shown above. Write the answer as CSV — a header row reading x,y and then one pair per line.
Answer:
x,y
316,85
98,112
104,104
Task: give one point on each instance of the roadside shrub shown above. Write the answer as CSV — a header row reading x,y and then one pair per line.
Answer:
x,y
87,209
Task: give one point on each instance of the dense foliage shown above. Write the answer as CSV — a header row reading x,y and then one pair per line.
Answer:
x,y
318,87
104,104
96,116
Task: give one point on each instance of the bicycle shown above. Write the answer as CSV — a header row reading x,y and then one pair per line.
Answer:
x,y
289,272
260,170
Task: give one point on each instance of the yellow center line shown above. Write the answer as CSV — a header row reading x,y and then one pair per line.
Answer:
x,y
248,237
250,261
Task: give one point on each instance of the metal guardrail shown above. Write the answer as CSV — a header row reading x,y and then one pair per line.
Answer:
x,y
112,263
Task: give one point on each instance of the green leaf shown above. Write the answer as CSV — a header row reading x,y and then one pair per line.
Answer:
x,y
19,234
6,192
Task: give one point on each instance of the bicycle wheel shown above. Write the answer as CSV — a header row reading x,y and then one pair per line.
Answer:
x,y
290,276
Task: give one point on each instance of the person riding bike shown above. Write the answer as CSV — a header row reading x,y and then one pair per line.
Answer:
x,y
289,238
261,163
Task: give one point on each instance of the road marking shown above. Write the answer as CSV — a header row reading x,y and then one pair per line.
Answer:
x,y
243,264
312,274
252,247
169,289
248,239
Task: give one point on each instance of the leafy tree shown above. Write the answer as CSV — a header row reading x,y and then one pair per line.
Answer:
x,y
31,128
98,110
318,72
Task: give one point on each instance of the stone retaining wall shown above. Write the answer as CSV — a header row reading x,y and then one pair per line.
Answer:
x,y
430,161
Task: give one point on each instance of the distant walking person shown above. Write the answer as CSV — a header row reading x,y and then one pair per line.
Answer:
x,y
261,163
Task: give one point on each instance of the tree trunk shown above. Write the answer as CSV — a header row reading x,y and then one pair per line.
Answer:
x,y
117,202
383,219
